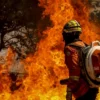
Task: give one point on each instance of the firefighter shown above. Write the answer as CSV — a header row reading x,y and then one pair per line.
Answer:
x,y
76,83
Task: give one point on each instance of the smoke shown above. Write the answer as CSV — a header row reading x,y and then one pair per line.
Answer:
x,y
94,17
41,21
33,23
93,9
87,12
44,21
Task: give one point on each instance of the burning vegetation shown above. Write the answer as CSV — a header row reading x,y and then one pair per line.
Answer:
x,y
44,68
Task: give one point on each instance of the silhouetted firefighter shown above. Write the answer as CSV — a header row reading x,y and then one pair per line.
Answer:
x,y
76,83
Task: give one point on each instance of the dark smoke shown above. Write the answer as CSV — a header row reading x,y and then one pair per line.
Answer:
x,y
20,18
41,23
94,6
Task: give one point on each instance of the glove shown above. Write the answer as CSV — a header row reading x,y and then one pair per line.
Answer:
x,y
69,94
64,81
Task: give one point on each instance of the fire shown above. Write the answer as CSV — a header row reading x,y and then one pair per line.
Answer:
x,y
46,67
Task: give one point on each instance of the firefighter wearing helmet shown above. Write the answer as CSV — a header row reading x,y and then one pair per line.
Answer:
x,y
76,83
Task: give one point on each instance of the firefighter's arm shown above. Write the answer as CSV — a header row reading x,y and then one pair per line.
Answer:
x,y
72,62
69,93
72,86
64,81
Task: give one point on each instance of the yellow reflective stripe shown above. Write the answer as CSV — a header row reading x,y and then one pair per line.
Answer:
x,y
66,30
72,29
74,78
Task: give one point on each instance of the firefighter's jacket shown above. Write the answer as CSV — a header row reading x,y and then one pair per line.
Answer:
x,y
76,81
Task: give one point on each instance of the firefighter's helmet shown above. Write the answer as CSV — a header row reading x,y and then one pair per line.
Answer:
x,y
72,26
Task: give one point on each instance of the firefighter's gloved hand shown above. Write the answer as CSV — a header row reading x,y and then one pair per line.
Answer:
x,y
64,82
69,94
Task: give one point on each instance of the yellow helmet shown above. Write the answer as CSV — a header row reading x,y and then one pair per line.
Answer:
x,y
72,26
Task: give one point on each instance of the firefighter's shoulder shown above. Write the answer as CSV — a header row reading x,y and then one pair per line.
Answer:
x,y
69,50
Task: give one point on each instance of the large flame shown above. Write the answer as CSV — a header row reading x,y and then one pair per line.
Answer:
x,y
46,67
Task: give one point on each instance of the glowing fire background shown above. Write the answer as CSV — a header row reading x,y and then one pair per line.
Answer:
x,y
46,67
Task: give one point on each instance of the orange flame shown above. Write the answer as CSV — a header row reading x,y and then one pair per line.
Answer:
x,y
46,67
